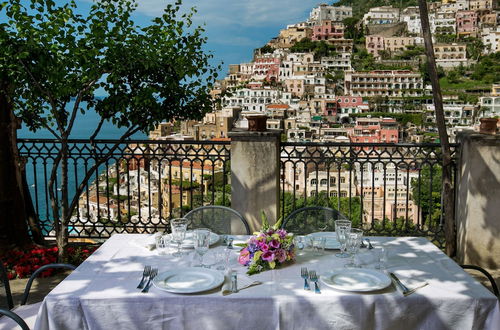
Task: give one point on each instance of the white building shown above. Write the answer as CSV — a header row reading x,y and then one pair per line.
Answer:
x,y
331,13
339,62
443,22
381,15
491,39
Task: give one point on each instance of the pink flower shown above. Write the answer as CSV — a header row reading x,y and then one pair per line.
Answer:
x,y
268,256
263,246
244,258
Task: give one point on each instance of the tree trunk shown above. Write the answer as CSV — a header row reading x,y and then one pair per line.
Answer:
x,y
62,233
13,225
447,184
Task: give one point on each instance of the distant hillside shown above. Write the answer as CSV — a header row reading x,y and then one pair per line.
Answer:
x,y
361,7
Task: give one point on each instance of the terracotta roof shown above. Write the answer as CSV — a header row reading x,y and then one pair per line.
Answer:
x,y
277,106
195,165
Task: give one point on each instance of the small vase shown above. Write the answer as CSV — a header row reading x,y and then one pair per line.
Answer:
x,y
488,125
257,123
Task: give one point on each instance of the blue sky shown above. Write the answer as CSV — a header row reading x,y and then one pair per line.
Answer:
x,y
233,27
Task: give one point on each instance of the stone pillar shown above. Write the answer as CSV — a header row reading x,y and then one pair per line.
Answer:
x,y
478,200
255,170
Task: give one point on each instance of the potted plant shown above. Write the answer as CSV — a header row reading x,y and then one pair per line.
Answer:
x,y
257,123
488,125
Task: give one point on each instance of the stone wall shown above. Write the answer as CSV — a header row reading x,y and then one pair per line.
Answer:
x,y
478,200
255,168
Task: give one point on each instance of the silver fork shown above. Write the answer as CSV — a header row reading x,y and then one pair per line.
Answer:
x,y
305,275
152,275
314,278
145,273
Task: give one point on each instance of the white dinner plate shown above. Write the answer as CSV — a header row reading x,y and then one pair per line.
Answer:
x,y
189,280
331,239
188,242
356,279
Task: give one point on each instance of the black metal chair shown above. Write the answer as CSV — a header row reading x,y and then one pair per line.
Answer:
x,y
312,219
494,286
5,281
219,219
27,312
14,320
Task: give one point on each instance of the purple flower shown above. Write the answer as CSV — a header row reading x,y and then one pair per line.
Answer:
x,y
281,232
274,244
281,255
252,247
267,256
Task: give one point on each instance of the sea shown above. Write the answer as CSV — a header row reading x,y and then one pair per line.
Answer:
x,y
83,128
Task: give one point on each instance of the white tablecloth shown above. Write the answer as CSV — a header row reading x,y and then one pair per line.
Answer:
x,y
102,294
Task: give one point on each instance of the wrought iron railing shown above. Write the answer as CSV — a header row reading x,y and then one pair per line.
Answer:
x,y
138,186
388,189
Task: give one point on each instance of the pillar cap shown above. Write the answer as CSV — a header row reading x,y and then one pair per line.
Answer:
x,y
243,134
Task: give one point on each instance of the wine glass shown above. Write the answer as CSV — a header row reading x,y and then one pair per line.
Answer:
x,y
201,238
179,228
353,243
342,229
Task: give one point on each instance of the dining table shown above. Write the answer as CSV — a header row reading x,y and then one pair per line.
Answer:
x,y
102,292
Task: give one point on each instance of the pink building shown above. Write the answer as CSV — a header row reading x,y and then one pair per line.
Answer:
x,y
345,105
467,22
295,86
374,130
267,67
374,44
328,30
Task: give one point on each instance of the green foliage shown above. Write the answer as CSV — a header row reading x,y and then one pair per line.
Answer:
x,y
426,193
319,48
353,30
266,49
149,74
411,52
445,38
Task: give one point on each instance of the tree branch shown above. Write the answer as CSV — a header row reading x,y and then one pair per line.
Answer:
x,y
98,128
77,104
132,130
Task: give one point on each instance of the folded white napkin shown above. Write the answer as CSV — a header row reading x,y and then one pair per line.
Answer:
x,y
243,282
413,283
147,241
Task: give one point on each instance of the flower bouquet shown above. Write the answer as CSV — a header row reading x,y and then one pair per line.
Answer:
x,y
267,249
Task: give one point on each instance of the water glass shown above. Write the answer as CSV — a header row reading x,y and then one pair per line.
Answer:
x,y
222,258
382,258
163,244
318,244
342,229
201,238
179,228
353,243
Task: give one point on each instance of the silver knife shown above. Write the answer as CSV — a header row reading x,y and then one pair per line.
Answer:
x,y
398,283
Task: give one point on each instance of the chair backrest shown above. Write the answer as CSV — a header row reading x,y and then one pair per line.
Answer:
x,y
14,317
35,275
5,281
219,219
494,286
312,219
